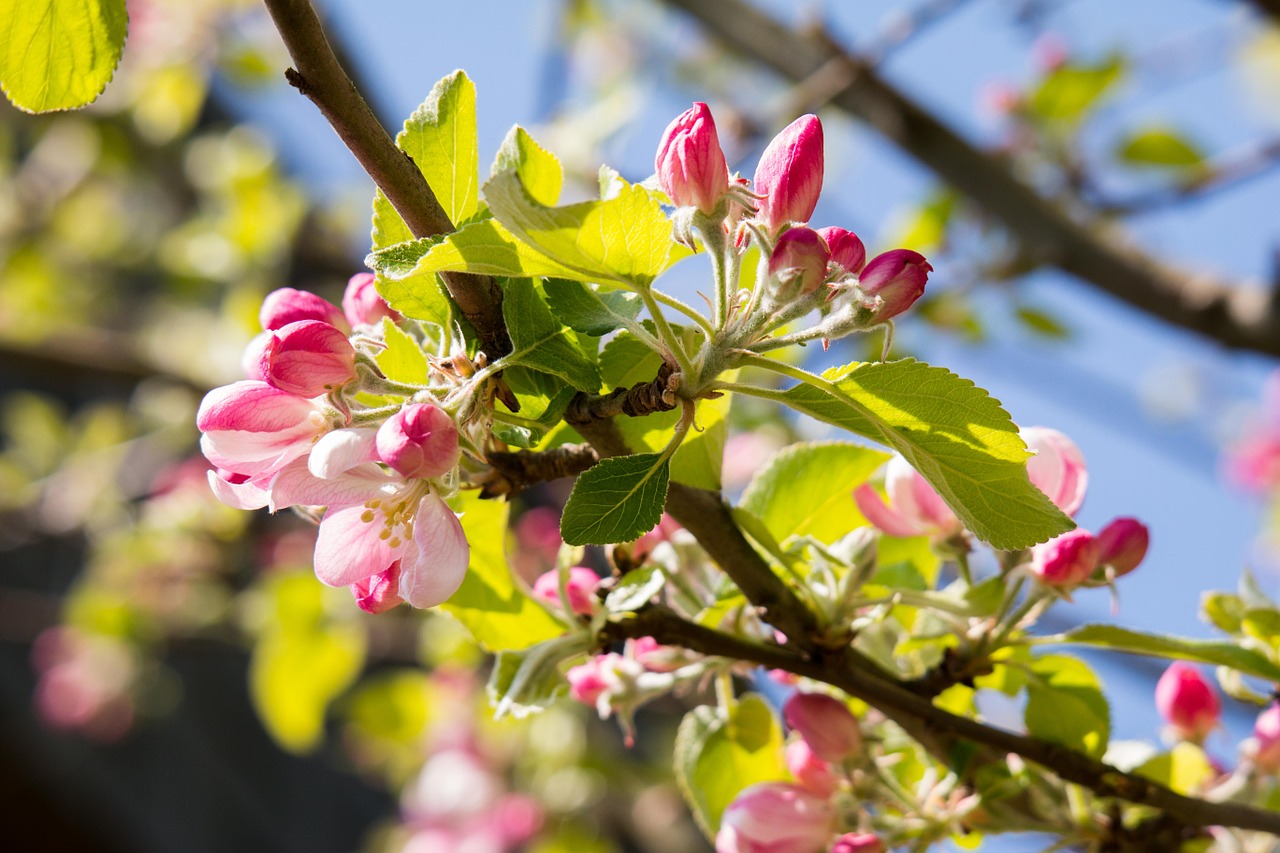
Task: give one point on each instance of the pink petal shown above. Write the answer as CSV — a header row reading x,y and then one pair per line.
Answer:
x,y
885,518
245,495
349,549
433,570
295,484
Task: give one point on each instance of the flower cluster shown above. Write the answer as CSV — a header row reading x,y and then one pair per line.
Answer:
x,y
801,269
317,424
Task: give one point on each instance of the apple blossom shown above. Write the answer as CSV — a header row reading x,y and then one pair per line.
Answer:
x,y
363,305
898,277
690,164
1057,468
847,252
826,724
914,508
797,265
789,175
1187,702
1122,544
288,305
808,770
578,588
774,817
254,430
1065,561
420,440
306,358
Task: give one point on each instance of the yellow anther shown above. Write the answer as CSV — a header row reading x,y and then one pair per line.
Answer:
x,y
366,516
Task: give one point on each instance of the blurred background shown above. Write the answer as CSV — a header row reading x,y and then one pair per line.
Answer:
x,y
171,674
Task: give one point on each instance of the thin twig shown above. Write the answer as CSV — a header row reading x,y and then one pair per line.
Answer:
x,y
320,77
1236,316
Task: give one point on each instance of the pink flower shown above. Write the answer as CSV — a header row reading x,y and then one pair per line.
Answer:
x,y
254,430
379,593
773,817
1122,544
1187,702
798,264
587,682
373,520
826,724
810,771
898,277
858,842
1266,735
847,251
690,164
914,508
789,175
578,588
1058,468
1066,561
655,657
420,440
1254,462
287,305
307,358
362,304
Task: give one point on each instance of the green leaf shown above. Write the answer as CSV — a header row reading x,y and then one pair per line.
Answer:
x,y
537,168
1071,90
1185,769
1224,610
59,54
718,756
418,297
634,589
441,138
1065,705
1160,147
540,342
590,311
497,612
953,433
1042,323
807,489
483,248
1214,652
617,500
402,360
527,681
625,239
389,229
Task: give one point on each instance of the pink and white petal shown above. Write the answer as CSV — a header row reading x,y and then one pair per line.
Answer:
x,y
436,563
933,509
246,495
348,549
259,464
342,450
254,406
295,484
884,517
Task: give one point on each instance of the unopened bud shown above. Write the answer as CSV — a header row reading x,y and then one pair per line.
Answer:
x,y
1066,561
826,724
1058,468
797,266
847,251
690,163
288,305
1187,702
362,304
379,593
420,440
789,175
1266,736
771,817
858,842
1122,544
898,277
307,358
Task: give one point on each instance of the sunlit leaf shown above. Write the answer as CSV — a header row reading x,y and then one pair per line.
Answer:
x,y
807,489
59,54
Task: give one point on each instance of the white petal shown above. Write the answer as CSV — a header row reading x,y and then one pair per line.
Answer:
x,y
342,450
433,567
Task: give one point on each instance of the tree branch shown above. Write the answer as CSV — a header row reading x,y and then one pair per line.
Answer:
x,y
1236,316
1269,8
320,77
514,472
896,701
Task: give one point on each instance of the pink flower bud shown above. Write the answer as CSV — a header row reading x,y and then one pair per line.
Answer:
x,y
589,681
789,175
798,264
1266,734
287,305
847,250
914,508
1187,702
420,440
307,358
858,842
578,588
772,817
826,725
1066,561
810,771
898,277
1122,544
362,305
379,593
690,164
1058,468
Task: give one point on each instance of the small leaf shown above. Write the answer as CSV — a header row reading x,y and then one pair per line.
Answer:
x,y
1160,147
527,681
1042,323
1065,705
617,500
402,360
807,489
590,311
417,297
484,248
441,138
497,612
953,433
1213,652
1185,769
717,757
1071,90
538,169
540,342
1224,610
626,239
634,589
59,54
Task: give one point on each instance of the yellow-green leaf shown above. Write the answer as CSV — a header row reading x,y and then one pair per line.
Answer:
x,y
59,54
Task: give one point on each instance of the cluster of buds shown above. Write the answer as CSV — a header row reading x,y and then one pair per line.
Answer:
x,y
618,684
316,424
801,269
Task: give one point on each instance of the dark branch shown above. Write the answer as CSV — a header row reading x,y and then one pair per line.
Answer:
x,y
1237,317
643,398
896,701
319,76
1270,8
514,472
